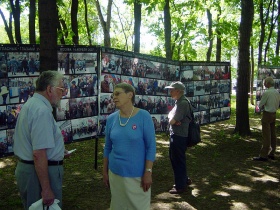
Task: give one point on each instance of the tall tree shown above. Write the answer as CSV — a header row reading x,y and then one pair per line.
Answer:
x,y
87,25
210,34
167,30
219,34
272,24
15,6
8,27
243,73
48,34
137,25
32,17
106,25
74,21
278,31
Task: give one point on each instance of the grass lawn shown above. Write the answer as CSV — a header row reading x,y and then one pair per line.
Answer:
x,y
221,167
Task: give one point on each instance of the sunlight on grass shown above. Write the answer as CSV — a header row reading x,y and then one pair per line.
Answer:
x,y
240,188
222,193
6,162
273,193
265,178
238,206
159,155
195,192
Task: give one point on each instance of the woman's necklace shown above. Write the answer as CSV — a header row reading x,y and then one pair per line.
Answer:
x,y
121,124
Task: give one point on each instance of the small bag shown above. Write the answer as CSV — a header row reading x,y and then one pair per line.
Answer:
x,y
38,205
194,131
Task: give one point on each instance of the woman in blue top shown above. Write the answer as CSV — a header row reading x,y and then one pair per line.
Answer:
x,y
129,152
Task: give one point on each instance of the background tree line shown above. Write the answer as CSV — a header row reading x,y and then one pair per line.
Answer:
x,y
191,30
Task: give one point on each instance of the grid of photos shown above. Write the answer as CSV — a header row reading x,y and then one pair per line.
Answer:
x,y
148,75
19,71
77,114
90,74
208,88
263,72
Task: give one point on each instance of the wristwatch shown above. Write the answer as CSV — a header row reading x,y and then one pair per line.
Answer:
x,y
149,170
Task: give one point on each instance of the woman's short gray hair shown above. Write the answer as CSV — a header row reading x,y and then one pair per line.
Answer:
x,y
127,88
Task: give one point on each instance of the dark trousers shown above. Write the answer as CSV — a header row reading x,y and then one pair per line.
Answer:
x,y
29,185
177,150
269,134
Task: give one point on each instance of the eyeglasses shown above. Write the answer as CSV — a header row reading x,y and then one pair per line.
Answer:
x,y
60,88
117,94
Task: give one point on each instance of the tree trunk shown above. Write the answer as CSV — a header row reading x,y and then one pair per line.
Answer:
x,y
60,31
105,24
32,17
63,27
219,38
137,25
8,28
271,29
74,21
87,26
48,34
167,30
252,76
210,35
243,71
16,14
278,31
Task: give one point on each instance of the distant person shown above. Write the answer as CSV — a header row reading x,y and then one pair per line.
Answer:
x,y
4,93
74,90
31,65
39,145
179,119
129,152
105,88
269,103
24,64
13,65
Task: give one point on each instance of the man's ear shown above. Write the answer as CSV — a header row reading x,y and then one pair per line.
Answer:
x,y
49,89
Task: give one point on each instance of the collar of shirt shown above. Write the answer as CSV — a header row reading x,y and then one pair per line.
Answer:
x,y
39,96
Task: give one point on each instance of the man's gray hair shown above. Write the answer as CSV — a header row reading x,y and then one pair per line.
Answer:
x,y
47,78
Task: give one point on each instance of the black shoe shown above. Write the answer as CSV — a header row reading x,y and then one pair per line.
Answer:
x,y
189,182
176,191
272,157
260,159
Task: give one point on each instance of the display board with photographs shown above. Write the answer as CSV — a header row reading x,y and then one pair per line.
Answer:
x,y
147,74
90,74
208,87
263,72
77,114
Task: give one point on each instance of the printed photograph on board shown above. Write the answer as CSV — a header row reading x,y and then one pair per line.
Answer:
x,y
66,130
4,92
21,89
77,63
84,128
21,64
3,117
111,63
5,148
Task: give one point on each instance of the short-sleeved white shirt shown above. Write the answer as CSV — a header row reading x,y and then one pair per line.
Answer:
x,y
37,129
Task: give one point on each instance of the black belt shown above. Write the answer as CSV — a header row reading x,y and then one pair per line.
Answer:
x,y
270,112
50,162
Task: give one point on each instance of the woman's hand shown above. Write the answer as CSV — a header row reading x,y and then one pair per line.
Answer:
x,y
106,179
146,181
